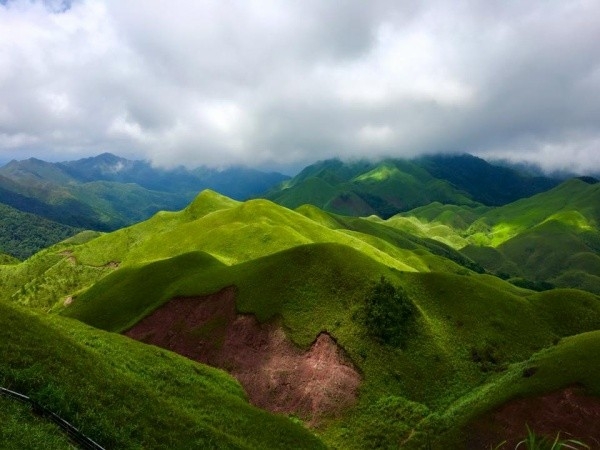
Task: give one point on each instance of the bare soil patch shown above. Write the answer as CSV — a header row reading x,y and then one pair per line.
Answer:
x,y
567,411
277,375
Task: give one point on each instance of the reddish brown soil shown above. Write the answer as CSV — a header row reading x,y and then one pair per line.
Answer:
x,y
567,411
276,374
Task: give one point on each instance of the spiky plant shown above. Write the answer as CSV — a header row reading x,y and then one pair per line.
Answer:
x,y
536,442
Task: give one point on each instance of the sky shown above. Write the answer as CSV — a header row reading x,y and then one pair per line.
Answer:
x,y
286,83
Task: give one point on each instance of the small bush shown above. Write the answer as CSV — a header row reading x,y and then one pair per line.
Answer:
x,y
389,313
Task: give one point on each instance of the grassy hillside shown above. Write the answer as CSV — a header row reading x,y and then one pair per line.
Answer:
x,y
230,231
124,394
22,429
463,354
364,188
470,330
550,239
385,188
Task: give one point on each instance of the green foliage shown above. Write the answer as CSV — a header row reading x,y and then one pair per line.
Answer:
x,y
536,442
23,234
389,313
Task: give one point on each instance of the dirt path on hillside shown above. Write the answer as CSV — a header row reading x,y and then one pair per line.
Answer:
x,y
568,411
277,375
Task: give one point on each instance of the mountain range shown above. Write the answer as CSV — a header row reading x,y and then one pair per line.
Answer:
x,y
107,192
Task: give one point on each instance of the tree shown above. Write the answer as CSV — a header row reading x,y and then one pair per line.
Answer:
x,y
389,313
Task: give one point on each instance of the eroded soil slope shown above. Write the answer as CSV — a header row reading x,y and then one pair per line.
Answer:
x,y
276,374
567,411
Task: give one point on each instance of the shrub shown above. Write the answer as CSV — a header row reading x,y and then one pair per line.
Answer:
x,y
389,313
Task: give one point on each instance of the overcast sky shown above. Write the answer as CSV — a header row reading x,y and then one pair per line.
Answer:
x,y
275,83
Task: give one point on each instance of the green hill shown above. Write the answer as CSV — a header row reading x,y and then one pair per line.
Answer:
x,y
230,231
472,342
550,239
363,188
124,394
385,188
471,331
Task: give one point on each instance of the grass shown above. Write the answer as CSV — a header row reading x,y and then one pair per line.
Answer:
x,y
535,442
469,330
21,429
473,333
566,364
125,394
552,237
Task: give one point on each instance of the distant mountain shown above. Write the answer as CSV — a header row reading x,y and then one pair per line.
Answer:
x,y
236,182
391,186
486,183
107,192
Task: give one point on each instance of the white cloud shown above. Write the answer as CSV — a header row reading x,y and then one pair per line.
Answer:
x,y
263,82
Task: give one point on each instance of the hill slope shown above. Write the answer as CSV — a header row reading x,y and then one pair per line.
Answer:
x,y
459,342
128,395
552,238
391,186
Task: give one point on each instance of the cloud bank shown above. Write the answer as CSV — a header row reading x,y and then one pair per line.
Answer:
x,y
286,83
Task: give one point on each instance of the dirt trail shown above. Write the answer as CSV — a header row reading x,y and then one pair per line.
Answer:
x,y
276,374
568,411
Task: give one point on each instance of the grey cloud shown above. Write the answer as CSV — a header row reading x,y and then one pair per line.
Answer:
x,y
267,83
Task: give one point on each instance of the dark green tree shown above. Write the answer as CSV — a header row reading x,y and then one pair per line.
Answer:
x,y
389,313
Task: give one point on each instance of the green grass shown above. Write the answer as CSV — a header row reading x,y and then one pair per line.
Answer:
x,y
552,237
7,259
21,429
473,334
125,394
469,330
230,231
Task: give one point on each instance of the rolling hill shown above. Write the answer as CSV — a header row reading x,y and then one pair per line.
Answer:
x,y
550,239
277,297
